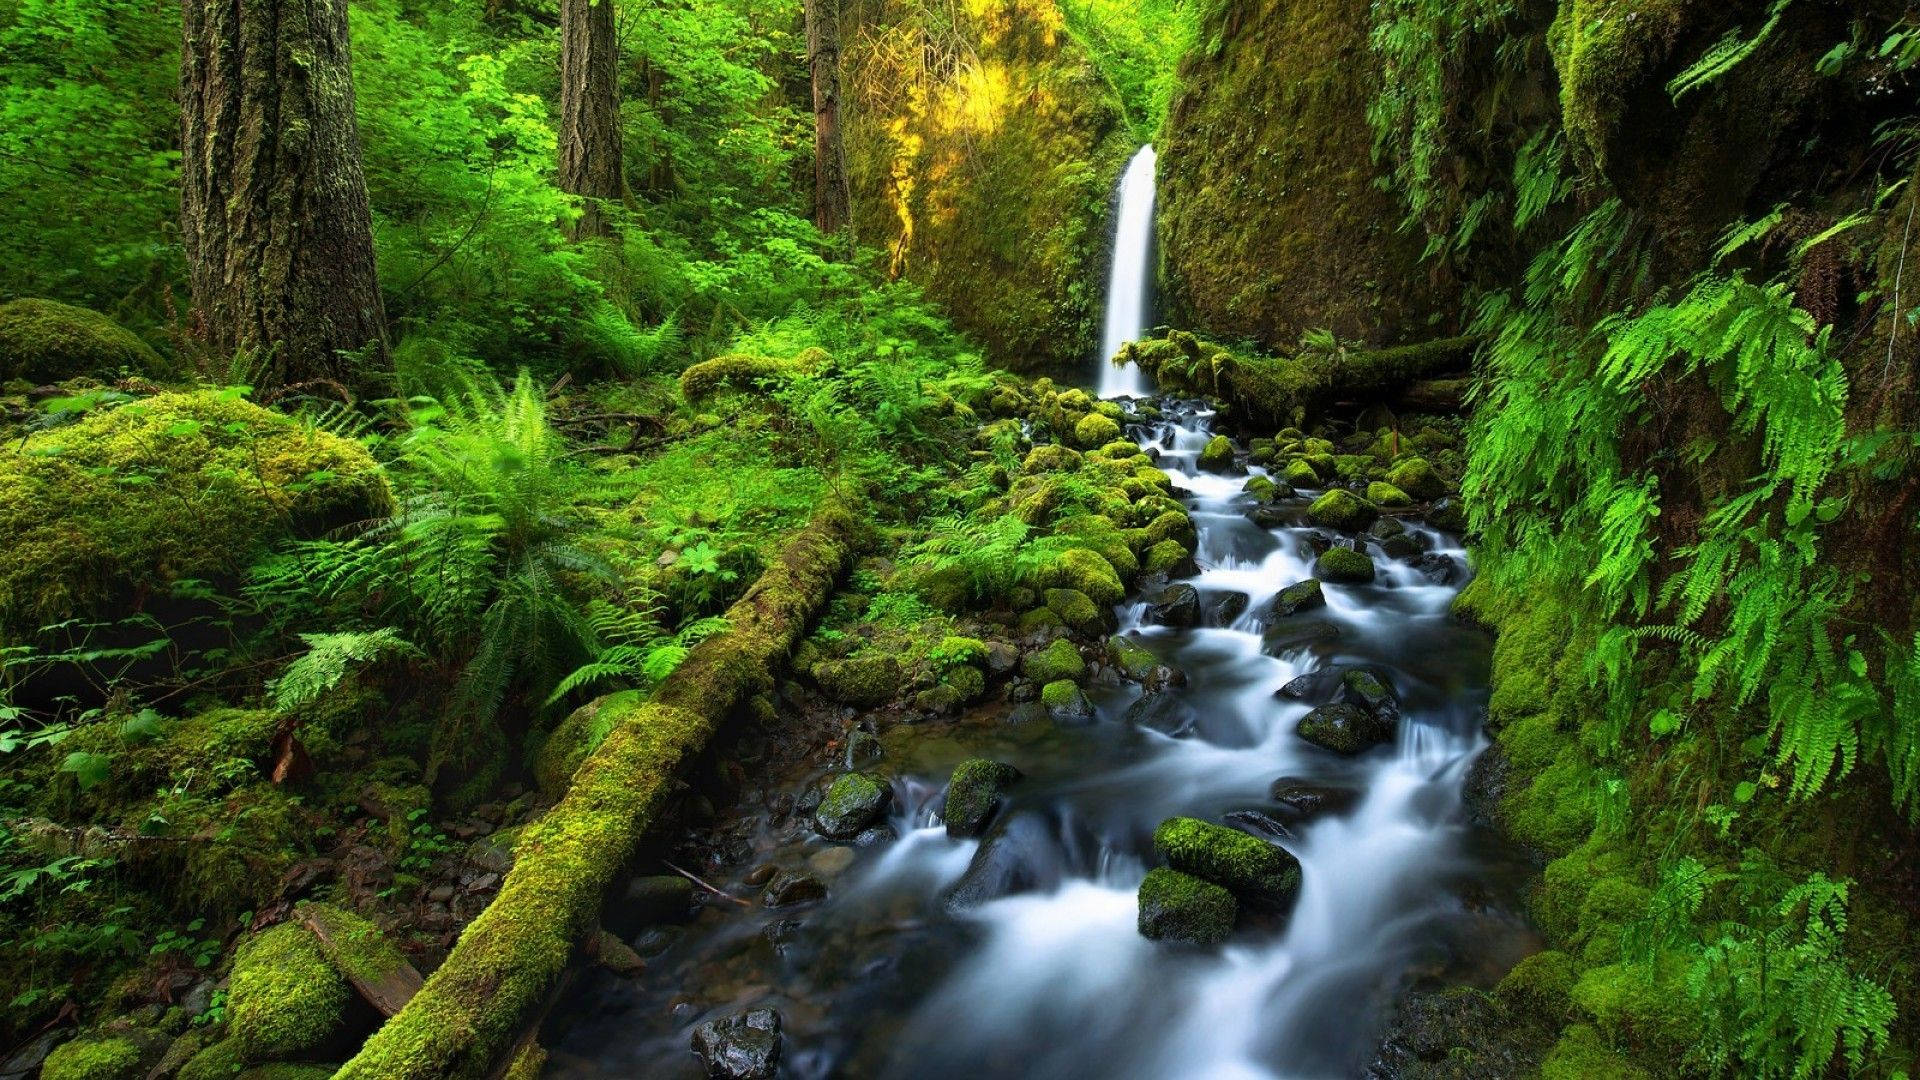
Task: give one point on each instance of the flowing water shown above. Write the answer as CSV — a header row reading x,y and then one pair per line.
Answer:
x,y
1130,283
1048,977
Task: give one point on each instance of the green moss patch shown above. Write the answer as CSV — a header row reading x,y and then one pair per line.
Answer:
x,y
44,341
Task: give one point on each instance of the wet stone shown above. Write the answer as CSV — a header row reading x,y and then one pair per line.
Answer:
x,y
744,1046
790,888
1181,908
1177,605
1439,569
1304,798
853,802
1370,691
1344,728
1298,634
831,862
1299,596
659,898
1402,548
656,940
1164,713
1226,607
974,793
1260,823
1250,868
1386,528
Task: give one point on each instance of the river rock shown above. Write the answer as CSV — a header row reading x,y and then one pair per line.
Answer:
x,y
1370,691
1344,728
1226,607
1059,660
854,801
1386,528
1343,510
1167,714
1437,568
1271,517
789,888
862,682
744,1046
1216,456
1402,548
1134,661
1183,908
1023,856
1298,597
1304,798
1448,515
1176,605
974,792
1250,868
1417,478
1260,823
1343,566
1065,703
1296,634
659,898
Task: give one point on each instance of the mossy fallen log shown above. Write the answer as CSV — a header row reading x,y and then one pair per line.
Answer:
x,y
476,1007
1281,390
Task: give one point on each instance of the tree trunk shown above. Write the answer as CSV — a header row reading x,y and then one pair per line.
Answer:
x,y
832,200
590,160
273,208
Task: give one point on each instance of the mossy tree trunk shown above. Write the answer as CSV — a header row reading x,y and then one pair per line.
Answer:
x,y
832,196
474,1010
274,212
590,159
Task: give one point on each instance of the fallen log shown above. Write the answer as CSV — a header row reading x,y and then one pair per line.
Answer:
x,y
1282,391
508,963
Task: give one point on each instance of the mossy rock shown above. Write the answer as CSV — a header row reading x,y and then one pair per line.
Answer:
x,y
1217,455
577,736
44,341
853,801
1051,458
1381,493
110,1058
1084,570
220,1061
1250,868
1299,596
1344,728
1077,610
973,793
1064,700
861,681
968,682
1169,557
1343,566
734,371
1183,908
1059,660
1539,985
288,1070
1129,658
1175,525
1343,510
285,1000
1417,478
1300,474
1040,618
1095,430
1581,1054
194,485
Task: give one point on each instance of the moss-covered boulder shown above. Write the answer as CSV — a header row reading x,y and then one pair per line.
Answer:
x,y
1175,525
129,500
1325,249
1183,908
853,801
1169,557
1298,597
973,793
45,341
284,1000
109,1058
734,371
1381,493
1343,566
1077,610
988,181
1343,510
1345,728
1095,430
1051,457
1415,476
1300,474
1059,660
1083,570
1217,455
1064,700
1252,869
861,681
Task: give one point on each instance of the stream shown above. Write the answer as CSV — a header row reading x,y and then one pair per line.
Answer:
x,y
1050,978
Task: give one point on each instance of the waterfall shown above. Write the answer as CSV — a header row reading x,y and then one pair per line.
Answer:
x,y
1129,286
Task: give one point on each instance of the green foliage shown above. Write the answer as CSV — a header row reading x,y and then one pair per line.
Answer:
x,y
327,659
1137,47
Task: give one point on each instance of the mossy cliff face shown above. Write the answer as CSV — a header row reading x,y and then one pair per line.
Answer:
x,y
983,148
1270,220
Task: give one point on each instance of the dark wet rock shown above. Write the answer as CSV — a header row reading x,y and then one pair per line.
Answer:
x,y
656,940
615,955
1250,868
1486,787
1223,608
744,1046
760,875
1271,517
659,898
1457,1034
1314,543
1002,658
1021,857
863,748
1303,798
1386,528
874,836
1448,515
1176,605
1029,712
1344,728
1438,568
1260,823
1182,908
25,1061
1403,548
1370,690
1318,685
1298,634
1343,566
974,792
1134,661
854,801
789,888
1298,597
1167,714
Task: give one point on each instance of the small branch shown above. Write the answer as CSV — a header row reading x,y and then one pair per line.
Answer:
x,y
717,892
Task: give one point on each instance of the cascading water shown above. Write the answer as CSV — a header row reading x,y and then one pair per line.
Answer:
x,y
1017,954
1129,286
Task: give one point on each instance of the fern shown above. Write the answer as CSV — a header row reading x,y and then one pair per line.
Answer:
x,y
1725,55
328,659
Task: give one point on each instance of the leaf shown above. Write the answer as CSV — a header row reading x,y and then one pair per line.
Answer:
x,y
88,768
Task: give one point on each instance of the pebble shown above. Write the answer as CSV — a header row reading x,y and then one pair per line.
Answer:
x,y
831,861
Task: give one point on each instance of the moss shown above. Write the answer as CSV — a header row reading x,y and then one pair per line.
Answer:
x,y
1417,478
1129,658
852,802
1344,728
1049,458
955,649
285,999
973,792
1381,493
968,682
1063,695
1086,571
1040,618
188,485
1250,868
735,371
1555,811
287,1070
580,734
1647,1004
862,681
1095,430
44,341
1343,510
354,946
1217,455
221,1061
92,1059
1076,609
1565,882
1173,525
1539,985
1299,473
1168,557
1343,566
1059,660
1180,907
1581,1054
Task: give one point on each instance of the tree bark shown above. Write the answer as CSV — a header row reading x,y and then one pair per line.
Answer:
x,y
273,208
590,158
832,197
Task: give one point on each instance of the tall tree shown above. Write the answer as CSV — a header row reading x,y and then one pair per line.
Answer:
x,y
273,206
832,200
590,162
